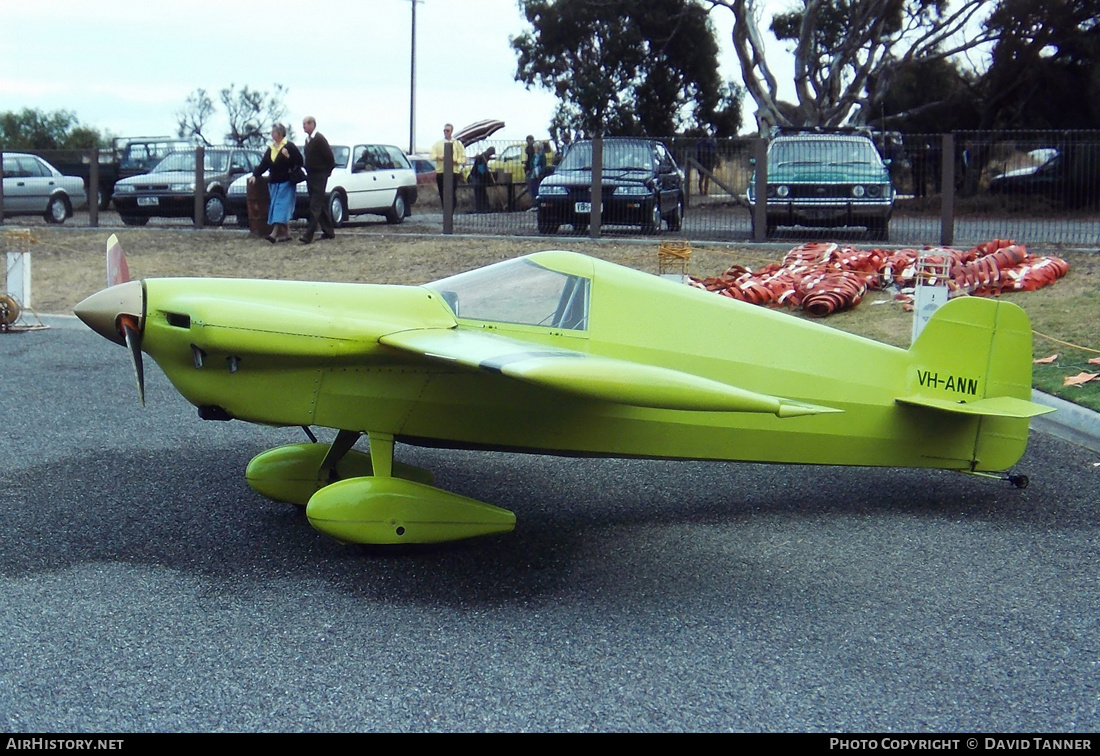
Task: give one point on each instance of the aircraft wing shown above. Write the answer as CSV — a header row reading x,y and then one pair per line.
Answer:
x,y
594,377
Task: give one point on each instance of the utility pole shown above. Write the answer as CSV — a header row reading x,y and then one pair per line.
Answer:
x,y
412,81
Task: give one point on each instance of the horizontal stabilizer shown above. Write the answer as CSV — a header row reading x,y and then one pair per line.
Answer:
x,y
996,406
591,376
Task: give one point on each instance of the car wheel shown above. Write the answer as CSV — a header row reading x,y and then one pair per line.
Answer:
x,y
652,224
338,208
546,224
215,210
396,213
675,219
135,220
58,209
580,228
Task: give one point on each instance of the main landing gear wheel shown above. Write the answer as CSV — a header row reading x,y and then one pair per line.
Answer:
x,y
370,499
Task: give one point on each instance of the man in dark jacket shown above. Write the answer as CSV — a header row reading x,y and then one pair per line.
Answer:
x,y
319,163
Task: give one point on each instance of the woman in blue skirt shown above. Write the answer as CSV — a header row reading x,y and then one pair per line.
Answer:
x,y
279,161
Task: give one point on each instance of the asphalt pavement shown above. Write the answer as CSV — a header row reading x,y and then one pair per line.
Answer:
x,y
145,587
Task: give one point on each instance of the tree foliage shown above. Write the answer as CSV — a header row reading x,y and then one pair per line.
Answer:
x,y
195,114
927,97
1045,69
251,114
846,52
619,67
37,130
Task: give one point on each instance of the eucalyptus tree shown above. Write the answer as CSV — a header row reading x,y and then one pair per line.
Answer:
x,y
845,52
627,68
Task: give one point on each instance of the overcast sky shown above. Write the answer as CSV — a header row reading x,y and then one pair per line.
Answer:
x,y
127,66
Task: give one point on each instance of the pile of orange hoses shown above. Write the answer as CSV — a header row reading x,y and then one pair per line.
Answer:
x,y
824,277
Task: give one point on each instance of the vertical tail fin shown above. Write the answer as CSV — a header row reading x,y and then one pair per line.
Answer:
x,y
973,359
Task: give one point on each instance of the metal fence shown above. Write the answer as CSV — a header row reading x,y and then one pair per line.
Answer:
x,y
1038,188
1033,187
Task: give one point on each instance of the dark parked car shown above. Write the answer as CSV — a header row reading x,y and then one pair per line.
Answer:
x,y
641,185
1069,177
827,180
169,189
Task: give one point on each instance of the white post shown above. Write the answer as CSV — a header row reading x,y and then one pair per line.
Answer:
x,y
930,292
19,278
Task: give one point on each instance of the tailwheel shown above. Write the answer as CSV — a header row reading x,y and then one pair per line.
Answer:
x,y
386,511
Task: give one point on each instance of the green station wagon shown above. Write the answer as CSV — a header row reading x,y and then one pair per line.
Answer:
x,y
827,180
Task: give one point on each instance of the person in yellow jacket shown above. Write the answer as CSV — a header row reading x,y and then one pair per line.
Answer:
x,y
458,156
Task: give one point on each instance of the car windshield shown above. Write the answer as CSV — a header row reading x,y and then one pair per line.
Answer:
x,y
213,162
518,291
617,156
823,151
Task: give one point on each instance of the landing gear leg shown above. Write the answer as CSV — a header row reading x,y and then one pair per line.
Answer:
x,y
381,454
340,447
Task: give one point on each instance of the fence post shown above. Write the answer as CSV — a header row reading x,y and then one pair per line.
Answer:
x,y
200,187
760,209
448,187
947,193
1,188
597,188
93,188
688,164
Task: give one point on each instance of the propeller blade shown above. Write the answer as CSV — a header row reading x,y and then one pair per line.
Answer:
x,y
117,313
117,269
133,343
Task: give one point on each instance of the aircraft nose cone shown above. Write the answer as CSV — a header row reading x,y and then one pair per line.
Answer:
x,y
101,311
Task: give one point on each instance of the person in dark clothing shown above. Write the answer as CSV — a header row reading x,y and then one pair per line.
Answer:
x,y
319,162
707,155
529,156
279,161
481,177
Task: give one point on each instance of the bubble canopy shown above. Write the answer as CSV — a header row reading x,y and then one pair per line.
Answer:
x,y
518,291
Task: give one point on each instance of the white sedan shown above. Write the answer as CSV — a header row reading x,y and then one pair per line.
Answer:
x,y
368,178
34,187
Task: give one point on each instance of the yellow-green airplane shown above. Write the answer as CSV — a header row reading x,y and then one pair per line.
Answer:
x,y
558,353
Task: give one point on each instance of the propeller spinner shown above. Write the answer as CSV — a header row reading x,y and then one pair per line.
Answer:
x,y
117,312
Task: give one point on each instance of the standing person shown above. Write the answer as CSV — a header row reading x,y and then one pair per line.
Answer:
x,y
319,162
707,155
538,168
280,160
458,156
566,141
529,156
481,177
